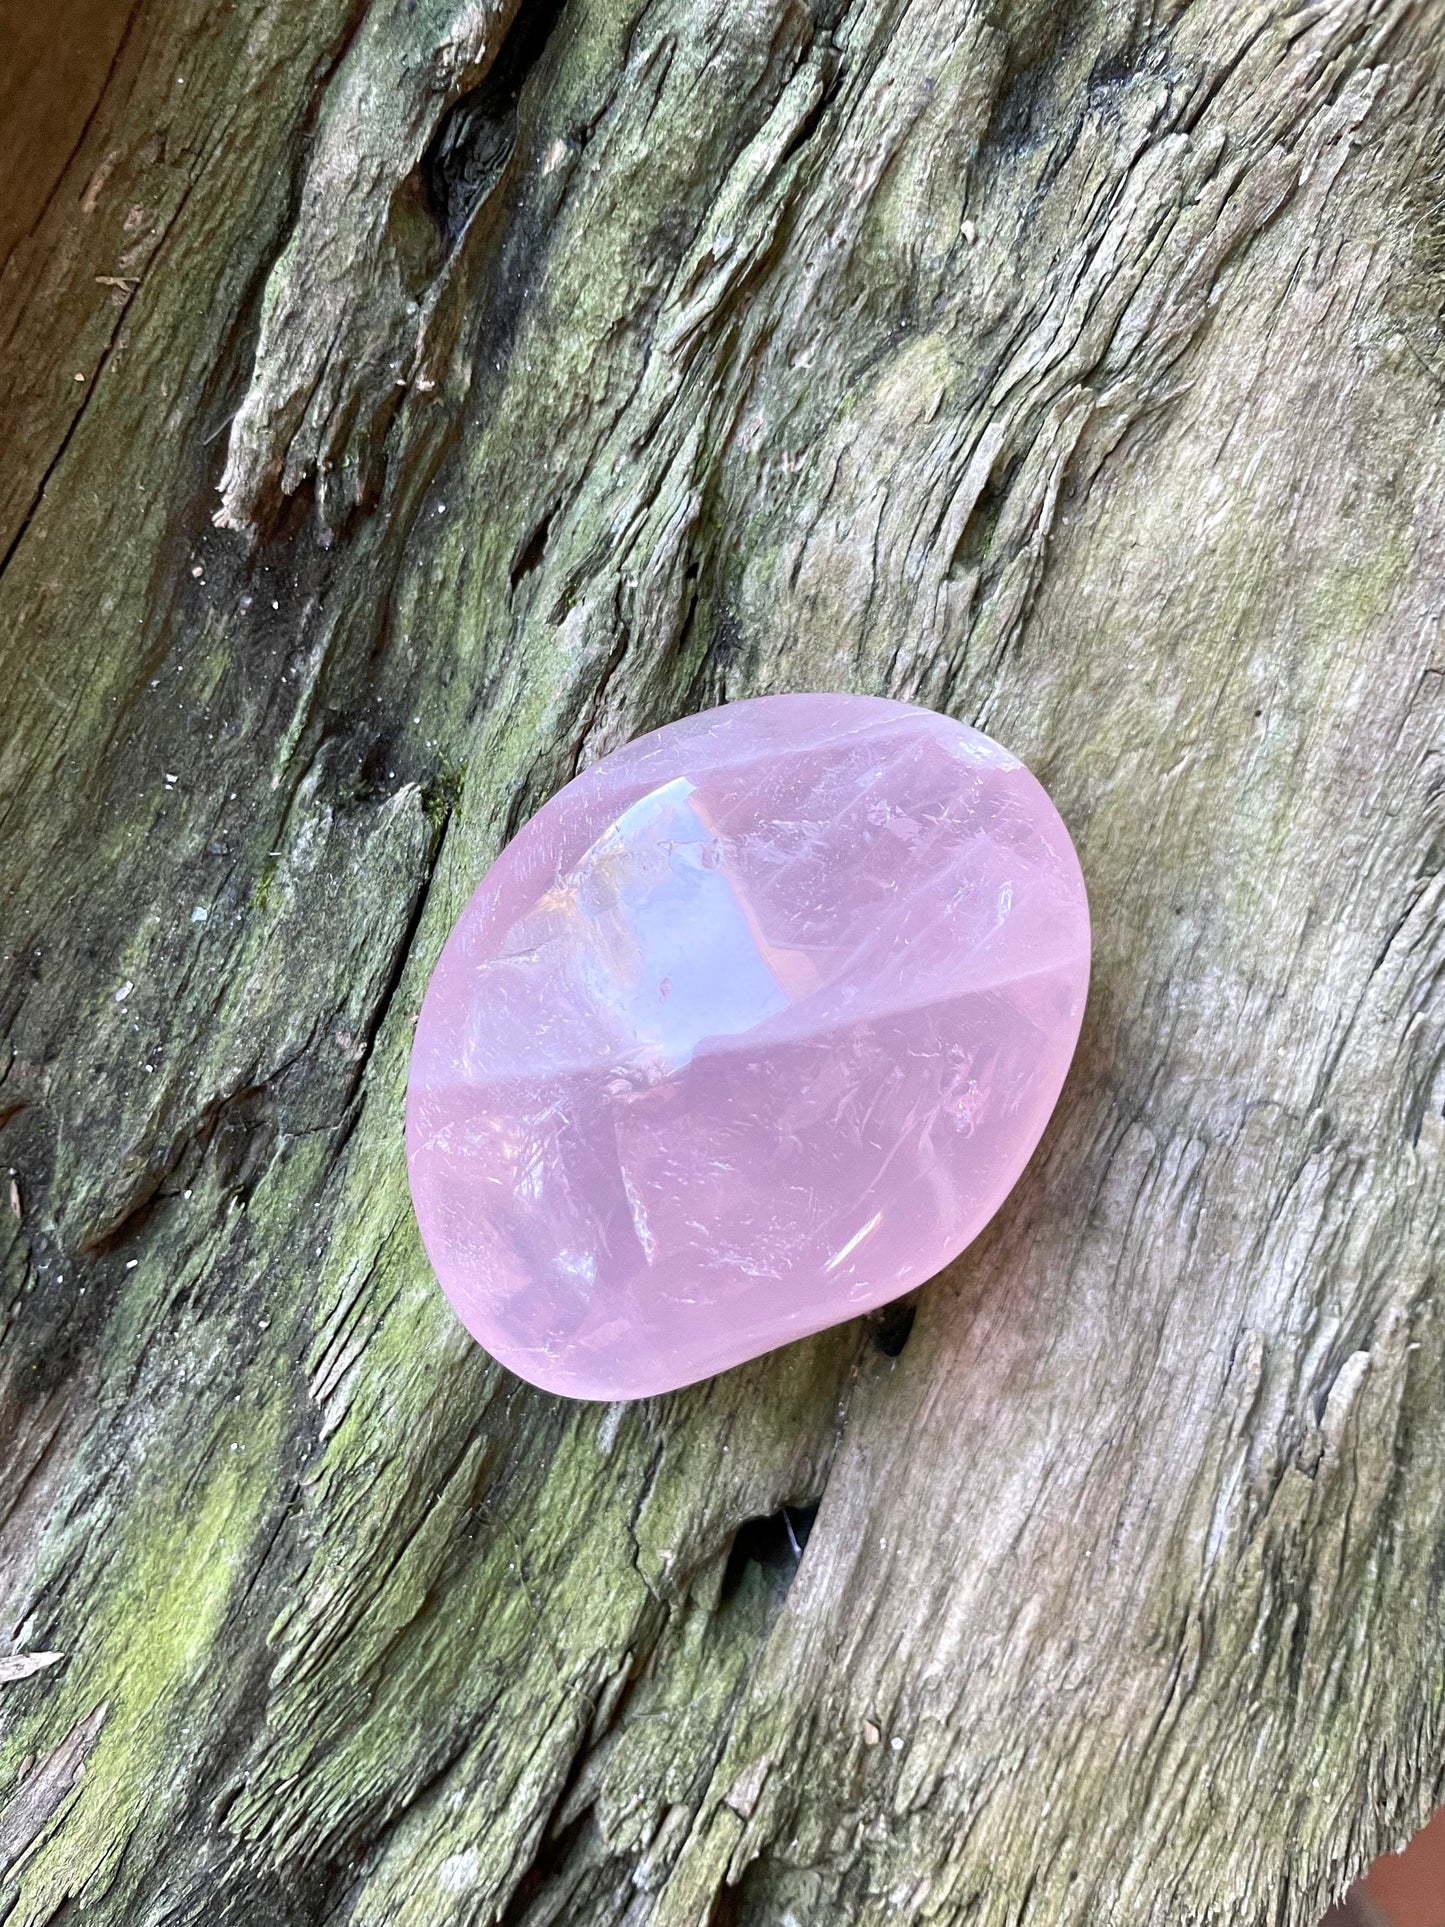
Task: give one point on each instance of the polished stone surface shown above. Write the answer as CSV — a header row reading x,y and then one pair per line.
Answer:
x,y
751,1029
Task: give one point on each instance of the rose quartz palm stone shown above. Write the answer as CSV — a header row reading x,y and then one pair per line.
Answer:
x,y
752,1028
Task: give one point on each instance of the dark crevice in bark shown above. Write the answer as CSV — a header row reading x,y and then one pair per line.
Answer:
x,y
573,1856
475,139
23,528
893,1326
975,542
529,555
810,123
774,1543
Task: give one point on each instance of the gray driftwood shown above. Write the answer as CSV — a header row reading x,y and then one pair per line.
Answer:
x,y
404,402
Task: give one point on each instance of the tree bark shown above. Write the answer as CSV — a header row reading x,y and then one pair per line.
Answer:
x,y
403,405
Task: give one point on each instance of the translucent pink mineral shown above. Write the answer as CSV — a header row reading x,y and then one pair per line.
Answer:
x,y
751,1028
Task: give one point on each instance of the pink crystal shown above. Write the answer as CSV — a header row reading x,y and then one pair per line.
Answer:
x,y
752,1028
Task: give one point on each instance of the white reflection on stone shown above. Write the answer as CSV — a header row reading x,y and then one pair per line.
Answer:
x,y
654,948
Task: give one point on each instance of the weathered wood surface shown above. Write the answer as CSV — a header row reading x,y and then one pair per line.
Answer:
x,y
1076,368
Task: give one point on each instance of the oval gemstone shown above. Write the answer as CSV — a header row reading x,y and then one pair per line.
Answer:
x,y
751,1029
